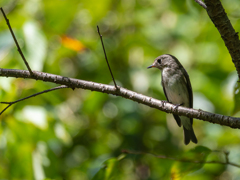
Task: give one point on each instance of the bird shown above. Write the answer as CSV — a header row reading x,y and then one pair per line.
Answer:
x,y
178,90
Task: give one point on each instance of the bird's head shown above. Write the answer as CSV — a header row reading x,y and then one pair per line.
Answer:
x,y
165,60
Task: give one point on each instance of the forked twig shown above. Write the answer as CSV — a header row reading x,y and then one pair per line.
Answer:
x,y
33,95
106,57
16,42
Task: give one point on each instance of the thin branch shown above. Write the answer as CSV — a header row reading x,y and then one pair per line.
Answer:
x,y
201,3
33,95
181,160
219,18
5,109
16,42
106,58
232,122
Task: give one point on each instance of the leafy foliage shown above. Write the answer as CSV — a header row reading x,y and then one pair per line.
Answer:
x,y
70,134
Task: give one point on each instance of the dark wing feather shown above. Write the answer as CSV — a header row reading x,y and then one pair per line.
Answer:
x,y
189,88
176,117
178,120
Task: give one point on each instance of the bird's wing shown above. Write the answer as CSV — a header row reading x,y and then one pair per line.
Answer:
x,y
189,88
176,117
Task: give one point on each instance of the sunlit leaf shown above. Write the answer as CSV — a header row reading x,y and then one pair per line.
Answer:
x,y
198,154
72,44
36,45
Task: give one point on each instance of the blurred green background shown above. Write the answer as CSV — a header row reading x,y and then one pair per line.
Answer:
x,y
80,134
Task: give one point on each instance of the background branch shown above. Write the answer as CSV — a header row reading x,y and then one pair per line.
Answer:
x,y
183,160
125,93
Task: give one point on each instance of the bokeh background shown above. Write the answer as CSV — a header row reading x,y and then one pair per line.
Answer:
x,y
80,134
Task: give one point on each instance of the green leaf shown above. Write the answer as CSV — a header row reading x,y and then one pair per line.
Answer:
x,y
109,169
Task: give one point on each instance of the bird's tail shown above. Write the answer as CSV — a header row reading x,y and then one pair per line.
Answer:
x,y
189,135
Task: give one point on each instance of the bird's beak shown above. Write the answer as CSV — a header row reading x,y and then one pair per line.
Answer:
x,y
150,66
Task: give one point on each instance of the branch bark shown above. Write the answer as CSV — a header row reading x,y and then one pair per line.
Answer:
x,y
219,18
232,122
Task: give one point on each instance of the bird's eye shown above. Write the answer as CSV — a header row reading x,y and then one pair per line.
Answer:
x,y
159,61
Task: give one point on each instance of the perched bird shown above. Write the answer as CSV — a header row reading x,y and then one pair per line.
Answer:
x,y
177,89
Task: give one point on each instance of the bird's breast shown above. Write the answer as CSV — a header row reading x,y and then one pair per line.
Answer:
x,y
175,87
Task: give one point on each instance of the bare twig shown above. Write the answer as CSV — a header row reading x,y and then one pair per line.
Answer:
x,y
16,42
181,160
232,122
106,58
33,95
201,3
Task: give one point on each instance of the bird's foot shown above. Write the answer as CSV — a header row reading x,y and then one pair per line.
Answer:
x,y
164,102
177,105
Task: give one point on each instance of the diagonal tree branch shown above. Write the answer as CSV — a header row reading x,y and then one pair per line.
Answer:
x,y
219,18
232,122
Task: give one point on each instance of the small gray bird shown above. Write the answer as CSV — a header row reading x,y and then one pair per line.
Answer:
x,y
177,89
